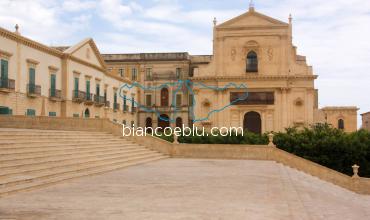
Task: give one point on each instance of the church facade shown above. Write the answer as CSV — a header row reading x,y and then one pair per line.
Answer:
x,y
252,50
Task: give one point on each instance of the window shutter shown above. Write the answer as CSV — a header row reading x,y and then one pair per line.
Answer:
x,y
4,69
32,76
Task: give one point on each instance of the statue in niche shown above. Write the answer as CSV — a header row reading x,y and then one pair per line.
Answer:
x,y
270,54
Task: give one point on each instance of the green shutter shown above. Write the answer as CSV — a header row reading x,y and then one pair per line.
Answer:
x,y
4,70
76,83
87,86
31,112
32,76
52,114
97,90
124,100
52,85
4,110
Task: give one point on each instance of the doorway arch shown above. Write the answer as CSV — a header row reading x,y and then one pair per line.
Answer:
x,y
252,122
179,122
87,113
163,121
148,122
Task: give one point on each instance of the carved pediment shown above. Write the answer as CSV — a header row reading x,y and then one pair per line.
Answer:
x,y
251,18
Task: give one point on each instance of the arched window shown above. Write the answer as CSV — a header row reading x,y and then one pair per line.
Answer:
x,y
341,124
252,62
164,97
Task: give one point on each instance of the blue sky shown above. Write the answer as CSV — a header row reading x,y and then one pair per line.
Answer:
x,y
334,35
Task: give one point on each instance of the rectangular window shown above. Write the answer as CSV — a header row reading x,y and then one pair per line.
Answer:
x,y
191,100
134,74
88,90
52,85
178,100
76,85
178,73
97,90
148,74
31,112
148,100
52,114
105,95
4,69
121,72
76,115
32,77
115,100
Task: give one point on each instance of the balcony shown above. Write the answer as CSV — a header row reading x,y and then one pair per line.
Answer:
x,y
115,107
133,110
78,96
33,90
107,104
125,108
99,101
55,95
7,85
89,99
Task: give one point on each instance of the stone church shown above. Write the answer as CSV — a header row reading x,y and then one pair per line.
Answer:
x,y
252,50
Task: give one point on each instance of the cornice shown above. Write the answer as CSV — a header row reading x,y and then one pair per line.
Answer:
x,y
254,77
33,44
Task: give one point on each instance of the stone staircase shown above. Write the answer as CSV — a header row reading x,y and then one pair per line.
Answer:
x,y
36,158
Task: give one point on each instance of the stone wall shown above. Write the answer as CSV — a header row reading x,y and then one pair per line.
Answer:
x,y
220,151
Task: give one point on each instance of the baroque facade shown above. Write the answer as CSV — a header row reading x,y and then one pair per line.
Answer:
x,y
252,49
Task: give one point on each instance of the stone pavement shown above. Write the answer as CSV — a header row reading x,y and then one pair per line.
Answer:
x,y
189,189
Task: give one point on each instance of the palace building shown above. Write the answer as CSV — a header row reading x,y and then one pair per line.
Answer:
x,y
251,49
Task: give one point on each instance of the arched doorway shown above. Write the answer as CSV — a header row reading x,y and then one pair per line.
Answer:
x,y
164,97
163,121
252,122
149,122
179,122
87,113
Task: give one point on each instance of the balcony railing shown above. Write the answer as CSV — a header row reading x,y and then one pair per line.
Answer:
x,y
107,104
78,96
133,110
33,90
99,100
125,108
7,85
55,94
89,99
115,106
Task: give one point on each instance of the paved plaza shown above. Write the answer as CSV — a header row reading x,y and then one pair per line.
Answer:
x,y
191,189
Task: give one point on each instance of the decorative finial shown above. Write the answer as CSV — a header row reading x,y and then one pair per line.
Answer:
x,y
251,5
290,18
214,21
17,29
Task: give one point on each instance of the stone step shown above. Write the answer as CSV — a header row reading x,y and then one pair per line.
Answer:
x,y
51,146
42,135
97,170
4,156
55,139
61,157
77,167
32,168
34,131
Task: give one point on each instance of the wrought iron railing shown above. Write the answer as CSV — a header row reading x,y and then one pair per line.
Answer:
x,y
7,84
33,89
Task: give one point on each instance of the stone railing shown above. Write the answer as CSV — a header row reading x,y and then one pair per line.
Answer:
x,y
257,152
215,151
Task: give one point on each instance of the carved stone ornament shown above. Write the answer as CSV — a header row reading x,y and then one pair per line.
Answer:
x,y
233,53
270,53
